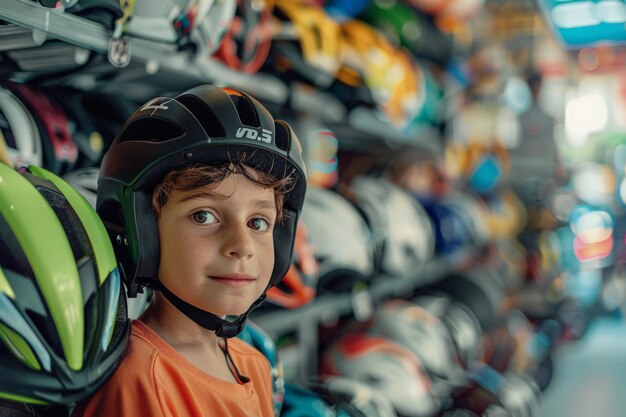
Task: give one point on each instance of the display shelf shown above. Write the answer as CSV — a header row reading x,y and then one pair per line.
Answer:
x,y
75,30
330,307
56,24
366,123
355,128
45,22
361,126
303,322
16,37
374,136
263,86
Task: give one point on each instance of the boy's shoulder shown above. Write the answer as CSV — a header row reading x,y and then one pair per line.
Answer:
x,y
143,341
133,377
141,353
245,351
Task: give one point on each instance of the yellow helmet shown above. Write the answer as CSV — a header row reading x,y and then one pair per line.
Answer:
x,y
387,71
319,38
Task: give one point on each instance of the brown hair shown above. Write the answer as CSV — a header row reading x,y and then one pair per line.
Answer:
x,y
197,176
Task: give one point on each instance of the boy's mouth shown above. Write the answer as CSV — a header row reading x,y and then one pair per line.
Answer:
x,y
234,280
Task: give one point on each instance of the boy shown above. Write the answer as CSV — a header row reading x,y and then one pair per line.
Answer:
x,y
201,195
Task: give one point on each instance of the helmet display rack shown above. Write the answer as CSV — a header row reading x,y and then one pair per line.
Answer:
x,y
136,68
44,23
149,58
357,129
305,320
90,35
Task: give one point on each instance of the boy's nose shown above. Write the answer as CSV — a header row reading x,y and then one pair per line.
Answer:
x,y
237,242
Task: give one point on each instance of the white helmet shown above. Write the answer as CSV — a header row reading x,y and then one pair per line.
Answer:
x,y
461,323
21,135
340,390
4,155
479,289
204,21
85,181
213,27
399,223
424,335
516,394
388,368
520,395
155,19
341,238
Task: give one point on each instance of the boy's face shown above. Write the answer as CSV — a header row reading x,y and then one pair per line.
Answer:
x,y
217,247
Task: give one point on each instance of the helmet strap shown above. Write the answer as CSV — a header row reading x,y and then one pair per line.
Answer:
x,y
210,321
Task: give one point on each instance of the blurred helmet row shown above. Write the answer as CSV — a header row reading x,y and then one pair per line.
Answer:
x,y
377,55
60,129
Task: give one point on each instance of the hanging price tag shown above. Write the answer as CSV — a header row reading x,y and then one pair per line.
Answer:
x,y
119,52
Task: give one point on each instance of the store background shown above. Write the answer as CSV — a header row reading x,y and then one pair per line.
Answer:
x,y
502,122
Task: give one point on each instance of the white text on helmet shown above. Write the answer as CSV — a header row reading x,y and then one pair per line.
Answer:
x,y
150,105
266,135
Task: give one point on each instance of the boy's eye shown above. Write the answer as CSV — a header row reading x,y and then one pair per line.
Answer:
x,y
259,224
203,217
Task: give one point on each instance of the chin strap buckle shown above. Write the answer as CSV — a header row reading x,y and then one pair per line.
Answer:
x,y
228,330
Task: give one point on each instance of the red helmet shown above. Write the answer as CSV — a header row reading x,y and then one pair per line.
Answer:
x,y
60,151
246,44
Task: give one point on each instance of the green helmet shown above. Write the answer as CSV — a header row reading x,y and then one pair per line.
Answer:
x,y
411,29
63,321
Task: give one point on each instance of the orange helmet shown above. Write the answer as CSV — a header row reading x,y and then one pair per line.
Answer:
x,y
297,287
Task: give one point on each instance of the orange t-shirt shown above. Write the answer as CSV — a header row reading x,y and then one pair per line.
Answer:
x,y
155,380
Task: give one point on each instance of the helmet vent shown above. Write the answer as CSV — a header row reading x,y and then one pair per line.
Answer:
x,y
91,317
282,136
45,326
5,128
150,129
12,257
203,113
246,110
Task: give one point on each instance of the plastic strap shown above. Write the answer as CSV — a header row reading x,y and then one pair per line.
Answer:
x,y
222,328
241,379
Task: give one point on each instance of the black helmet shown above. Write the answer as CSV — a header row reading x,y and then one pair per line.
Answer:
x,y
203,125
63,321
